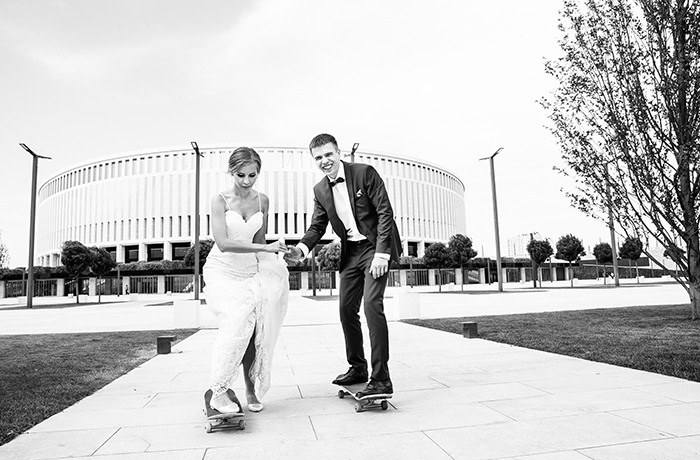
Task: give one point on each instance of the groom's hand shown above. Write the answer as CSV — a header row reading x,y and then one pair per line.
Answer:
x,y
293,254
379,267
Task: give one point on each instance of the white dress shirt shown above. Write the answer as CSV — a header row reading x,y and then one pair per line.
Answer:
x,y
341,200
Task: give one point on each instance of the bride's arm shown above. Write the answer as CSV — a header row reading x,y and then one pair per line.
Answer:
x,y
260,235
220,232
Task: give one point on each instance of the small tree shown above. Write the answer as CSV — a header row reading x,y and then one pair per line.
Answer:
x,y
625,115
102,263
603,255
632,249
539,250
205,246
461,252
4,254
329,257
437,256
569,248
77,260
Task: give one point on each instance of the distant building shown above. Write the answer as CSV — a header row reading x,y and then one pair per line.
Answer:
x,y
140,205
517,245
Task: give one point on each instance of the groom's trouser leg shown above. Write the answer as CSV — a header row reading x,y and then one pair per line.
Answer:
x,y
356,281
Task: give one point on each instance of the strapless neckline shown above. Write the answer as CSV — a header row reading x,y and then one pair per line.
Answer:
x,y
241,216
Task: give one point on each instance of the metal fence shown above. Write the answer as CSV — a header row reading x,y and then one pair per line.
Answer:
x,y
394,279
294,281
470,276
108,286
42,288
324,280
143,285
179,283
69,286
417,277
14,288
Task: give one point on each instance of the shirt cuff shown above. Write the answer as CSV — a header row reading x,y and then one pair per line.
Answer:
x,y
382,255
304,249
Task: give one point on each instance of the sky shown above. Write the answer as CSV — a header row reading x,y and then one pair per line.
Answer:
x,y
446,81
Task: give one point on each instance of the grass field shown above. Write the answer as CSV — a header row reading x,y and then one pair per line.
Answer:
x,y
40,375
660,339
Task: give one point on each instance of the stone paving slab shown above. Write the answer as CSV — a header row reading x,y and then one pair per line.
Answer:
x,y
455,398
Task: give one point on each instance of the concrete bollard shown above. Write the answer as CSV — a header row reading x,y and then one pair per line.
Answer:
x,y
164,343
469,330
186,313
407,305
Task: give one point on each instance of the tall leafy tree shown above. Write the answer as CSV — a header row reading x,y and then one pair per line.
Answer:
x,y
102,263
603,255
540,251
329,257
460,249
626,115
77,260
4,254
205,246
632,249
569,248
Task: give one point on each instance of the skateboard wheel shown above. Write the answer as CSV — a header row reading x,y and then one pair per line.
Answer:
x,y
241,425
208,427
341,394
358,407
384,405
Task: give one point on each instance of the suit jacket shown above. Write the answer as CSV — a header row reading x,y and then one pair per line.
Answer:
x,y
370,205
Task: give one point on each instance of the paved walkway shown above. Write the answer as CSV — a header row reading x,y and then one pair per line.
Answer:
x,y
455,398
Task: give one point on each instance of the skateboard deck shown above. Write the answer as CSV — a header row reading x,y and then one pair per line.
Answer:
x,y
218,421
364,402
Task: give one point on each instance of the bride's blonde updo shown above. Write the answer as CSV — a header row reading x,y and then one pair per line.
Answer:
x,y
243,156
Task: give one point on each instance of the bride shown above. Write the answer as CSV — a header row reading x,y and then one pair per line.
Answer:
x,y
247,287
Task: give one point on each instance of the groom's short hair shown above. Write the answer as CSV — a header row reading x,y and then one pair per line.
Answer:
x,y
322,139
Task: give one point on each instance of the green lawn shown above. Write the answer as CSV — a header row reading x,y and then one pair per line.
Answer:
x,y
40,375
660,339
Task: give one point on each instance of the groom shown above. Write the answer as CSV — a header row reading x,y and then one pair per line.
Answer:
x,y
352,197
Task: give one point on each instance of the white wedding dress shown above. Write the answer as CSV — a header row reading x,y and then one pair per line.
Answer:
x,y
247,292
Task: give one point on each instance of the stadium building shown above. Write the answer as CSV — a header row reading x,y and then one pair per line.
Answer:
x,y
140,205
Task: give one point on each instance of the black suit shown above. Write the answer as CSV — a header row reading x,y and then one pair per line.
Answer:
x,y
374,218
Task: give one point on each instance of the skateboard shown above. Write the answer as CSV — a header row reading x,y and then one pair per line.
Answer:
x,y
219,421
364,402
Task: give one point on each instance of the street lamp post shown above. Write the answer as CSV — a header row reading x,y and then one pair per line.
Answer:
x,y
495,219
352,152
196,219
32,225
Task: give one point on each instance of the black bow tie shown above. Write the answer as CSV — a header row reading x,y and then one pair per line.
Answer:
x,y
338,180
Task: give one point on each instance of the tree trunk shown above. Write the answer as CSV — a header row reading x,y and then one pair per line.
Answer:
x,y
605,274
694,290
99,291
571,274
636,267
77,290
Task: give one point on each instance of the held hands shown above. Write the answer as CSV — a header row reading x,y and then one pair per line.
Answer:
x,y
379,267
293,253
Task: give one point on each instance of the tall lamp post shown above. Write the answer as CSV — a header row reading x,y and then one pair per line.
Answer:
x,y
32,225
352,152
197,155
495,219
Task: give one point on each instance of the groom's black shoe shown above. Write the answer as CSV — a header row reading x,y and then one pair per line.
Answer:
x,y
377,387
351,377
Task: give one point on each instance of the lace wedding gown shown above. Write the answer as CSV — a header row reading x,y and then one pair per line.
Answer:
x,y
248,292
